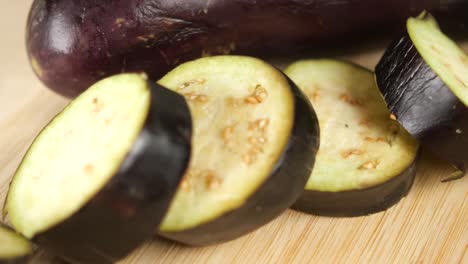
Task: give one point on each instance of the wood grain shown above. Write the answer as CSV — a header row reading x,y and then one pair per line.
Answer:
x,y
429,226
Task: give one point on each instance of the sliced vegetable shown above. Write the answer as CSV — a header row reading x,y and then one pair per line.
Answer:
x,y
98,179
255,138
424,79
366,161
14,249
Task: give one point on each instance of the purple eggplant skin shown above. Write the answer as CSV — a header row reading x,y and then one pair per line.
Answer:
x,y
358,202
125,213
409,86
279,191
422,102
74,43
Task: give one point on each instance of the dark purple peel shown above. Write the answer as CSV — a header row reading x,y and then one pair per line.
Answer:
x,y
367,162
413,91
125,213
280,190
128,210
74,43
358,202
423,104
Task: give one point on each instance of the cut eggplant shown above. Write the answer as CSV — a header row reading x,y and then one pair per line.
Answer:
x,y
255,136
14,249
366,161
99,178
424,79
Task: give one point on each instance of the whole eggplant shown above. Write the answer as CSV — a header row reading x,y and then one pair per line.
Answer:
x,y
73,43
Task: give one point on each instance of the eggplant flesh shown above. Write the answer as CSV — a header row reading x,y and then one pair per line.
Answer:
x,y
14,248
99,178
366,161
80,42
255,136
423,79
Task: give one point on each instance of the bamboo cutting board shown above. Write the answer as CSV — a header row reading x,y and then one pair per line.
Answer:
x,y
429,226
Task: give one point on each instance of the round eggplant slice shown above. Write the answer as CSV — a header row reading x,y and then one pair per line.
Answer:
x,y
99,178
423,76
14,248
255,136
366,161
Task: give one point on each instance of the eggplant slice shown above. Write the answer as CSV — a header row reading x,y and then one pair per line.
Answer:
x,y
13,247
366,161
255,136
99,178
423,76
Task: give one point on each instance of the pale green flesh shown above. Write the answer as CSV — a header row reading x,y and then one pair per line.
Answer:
x,y
221,177
441,53
357,146
13,245
77,153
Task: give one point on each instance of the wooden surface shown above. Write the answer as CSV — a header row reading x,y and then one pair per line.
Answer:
x,y
429,226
